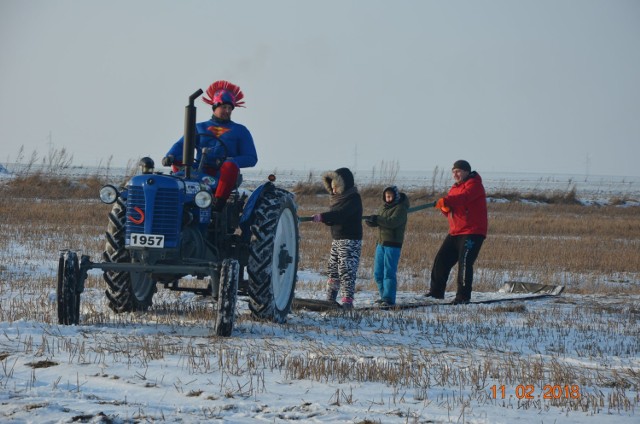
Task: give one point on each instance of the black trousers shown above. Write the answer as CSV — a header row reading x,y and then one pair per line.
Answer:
x,y
462,250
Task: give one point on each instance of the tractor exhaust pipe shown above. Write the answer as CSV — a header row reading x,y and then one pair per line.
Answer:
x,y
189,135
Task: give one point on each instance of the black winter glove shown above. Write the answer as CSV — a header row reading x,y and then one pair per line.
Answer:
x,y
168,160
372,221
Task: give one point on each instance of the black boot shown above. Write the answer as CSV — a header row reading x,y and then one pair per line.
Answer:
x,y
434,295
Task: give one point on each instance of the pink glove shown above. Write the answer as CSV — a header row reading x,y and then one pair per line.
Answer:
x,y
317,217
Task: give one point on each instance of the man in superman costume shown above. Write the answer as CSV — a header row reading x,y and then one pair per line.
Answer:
x,y
231,143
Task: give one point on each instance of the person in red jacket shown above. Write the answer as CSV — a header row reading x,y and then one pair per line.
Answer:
x,y
466,208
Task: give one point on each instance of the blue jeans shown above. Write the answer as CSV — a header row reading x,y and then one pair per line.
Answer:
x,y
385,267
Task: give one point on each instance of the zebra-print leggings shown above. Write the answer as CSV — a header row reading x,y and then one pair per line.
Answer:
x,y
343,268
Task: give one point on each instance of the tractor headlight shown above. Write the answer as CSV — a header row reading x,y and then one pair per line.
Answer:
x,y
108,194
203,199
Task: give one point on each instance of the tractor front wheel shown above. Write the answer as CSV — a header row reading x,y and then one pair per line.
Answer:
x,y
227,297
68,294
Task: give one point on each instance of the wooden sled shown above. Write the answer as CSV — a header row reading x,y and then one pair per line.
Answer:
x,y
510,291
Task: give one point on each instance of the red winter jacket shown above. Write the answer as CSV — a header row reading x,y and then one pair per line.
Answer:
x,y
468,203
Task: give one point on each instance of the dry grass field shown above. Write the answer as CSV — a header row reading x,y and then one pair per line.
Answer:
x,y
443,362
551,241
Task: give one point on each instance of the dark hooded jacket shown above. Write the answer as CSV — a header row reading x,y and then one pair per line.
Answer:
x,y
392,219
345,211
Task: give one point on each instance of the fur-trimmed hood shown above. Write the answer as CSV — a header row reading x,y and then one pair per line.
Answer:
x,y
396,195
341,177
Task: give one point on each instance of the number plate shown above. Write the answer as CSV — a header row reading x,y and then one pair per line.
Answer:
x,y
146,240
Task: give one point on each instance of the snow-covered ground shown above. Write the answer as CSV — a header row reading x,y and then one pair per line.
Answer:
x,y
491,363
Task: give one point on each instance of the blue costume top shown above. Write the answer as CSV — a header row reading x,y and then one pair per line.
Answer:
x,y
236,137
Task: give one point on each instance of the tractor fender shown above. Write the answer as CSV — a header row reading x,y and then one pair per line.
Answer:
x,y
247,218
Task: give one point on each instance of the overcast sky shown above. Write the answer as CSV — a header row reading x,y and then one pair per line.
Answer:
x,y
534,86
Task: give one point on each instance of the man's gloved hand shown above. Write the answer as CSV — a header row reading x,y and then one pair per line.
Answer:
x,y
372,221
317,217
168,160
440,205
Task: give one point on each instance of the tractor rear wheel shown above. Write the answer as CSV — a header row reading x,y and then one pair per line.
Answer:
x,y
126,291
273,256
67,294
227,297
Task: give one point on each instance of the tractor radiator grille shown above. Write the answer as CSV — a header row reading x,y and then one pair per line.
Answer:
x,y
164,213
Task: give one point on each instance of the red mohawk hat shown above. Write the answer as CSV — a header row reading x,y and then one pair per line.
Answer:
x,y
224,92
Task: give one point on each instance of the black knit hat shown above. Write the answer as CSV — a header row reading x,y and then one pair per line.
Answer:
x,y
462,164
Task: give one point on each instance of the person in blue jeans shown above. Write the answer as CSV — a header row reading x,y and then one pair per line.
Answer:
x,y
391,222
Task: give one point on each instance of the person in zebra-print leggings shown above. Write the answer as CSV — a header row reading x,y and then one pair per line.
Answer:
x,y
345,219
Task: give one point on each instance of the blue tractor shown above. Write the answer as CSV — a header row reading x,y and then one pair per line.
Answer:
x,y
162,227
